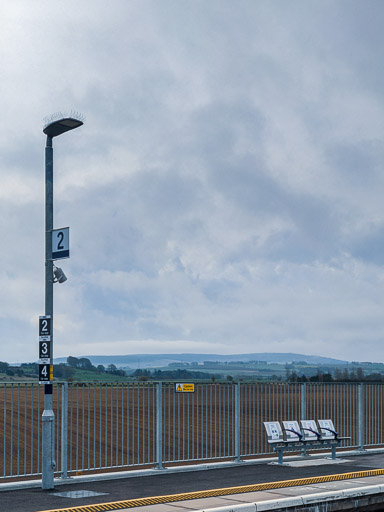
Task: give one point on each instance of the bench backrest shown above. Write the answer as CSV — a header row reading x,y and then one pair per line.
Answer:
x,y
292,431
309,429
326,429
274,432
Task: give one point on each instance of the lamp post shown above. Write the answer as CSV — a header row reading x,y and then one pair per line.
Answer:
x,y
51,130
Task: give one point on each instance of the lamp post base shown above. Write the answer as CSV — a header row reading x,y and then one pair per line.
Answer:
x,y
48,440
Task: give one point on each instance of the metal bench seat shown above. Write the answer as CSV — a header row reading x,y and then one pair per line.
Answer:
x,y
307,435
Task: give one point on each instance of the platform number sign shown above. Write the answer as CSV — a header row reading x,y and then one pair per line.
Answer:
x,y
45,324
44,350
60,243
45,372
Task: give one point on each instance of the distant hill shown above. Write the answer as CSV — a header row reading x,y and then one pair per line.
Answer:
x,y
159,360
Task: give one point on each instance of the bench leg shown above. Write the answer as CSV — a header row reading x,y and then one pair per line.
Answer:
x,y
280,456
333,451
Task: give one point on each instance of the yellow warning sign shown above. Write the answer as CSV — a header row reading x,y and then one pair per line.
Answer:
x,y
185,388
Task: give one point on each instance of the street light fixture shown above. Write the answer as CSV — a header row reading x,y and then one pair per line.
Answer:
x,y
55,126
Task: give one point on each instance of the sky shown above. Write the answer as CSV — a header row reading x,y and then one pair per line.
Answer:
x,y
225,194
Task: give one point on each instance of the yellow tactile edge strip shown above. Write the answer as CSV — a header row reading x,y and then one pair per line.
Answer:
x,y
154,500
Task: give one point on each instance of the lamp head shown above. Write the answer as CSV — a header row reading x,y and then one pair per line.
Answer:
x,y
60,123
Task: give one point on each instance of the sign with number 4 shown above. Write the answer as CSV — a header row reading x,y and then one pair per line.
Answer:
x,y
45,373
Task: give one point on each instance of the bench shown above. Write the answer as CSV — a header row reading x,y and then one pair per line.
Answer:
x,y
309,435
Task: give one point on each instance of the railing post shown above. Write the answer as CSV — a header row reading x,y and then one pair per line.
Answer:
x,y
159,426
237,423
303,401
64,430
360,411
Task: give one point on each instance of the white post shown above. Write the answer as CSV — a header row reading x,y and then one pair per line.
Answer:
x,y
303,401
64,430
237,424
159,426
361,417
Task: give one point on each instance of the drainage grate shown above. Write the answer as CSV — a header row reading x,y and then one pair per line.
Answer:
x,y
79,494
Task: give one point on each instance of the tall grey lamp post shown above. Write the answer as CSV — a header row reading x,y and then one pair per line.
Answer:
x,y
52,274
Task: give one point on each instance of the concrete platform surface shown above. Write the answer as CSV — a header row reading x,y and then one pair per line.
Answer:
x,y
351,474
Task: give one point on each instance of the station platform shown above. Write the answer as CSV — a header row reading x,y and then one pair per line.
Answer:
x,y
351,481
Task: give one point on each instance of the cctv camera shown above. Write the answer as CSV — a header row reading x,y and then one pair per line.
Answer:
x,y
58,275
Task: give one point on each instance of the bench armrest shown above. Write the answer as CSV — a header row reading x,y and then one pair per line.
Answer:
x,y
318,435
333,432
299,434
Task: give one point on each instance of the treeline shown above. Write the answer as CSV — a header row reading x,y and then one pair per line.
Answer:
x,y
68,370
83,363
339,375
62,370
179,374
10,371
74,366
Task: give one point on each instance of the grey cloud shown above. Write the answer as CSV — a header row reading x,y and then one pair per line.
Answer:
x,y
370,246
226,188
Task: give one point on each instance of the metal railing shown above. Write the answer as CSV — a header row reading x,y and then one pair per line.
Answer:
x,y
103,426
